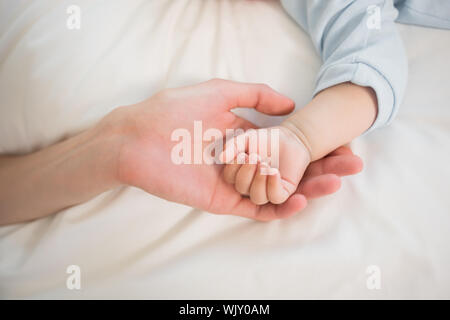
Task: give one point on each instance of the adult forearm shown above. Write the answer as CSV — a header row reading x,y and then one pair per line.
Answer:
x,y
67,173
334,117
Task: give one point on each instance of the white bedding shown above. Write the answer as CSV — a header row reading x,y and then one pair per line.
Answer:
x,y
54,82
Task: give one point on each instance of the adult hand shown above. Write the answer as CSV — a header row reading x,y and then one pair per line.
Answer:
x,y
132,145
145,153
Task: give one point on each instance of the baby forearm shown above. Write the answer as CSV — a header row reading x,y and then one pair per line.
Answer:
x,y
334,117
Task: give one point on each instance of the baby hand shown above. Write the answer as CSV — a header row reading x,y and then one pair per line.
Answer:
x,y
266,164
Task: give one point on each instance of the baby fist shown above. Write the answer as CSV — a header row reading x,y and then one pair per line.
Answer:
x,y
266,164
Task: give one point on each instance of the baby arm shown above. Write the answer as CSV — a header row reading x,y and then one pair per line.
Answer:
x,y
334,117
359,86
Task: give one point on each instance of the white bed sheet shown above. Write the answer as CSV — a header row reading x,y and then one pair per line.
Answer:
x,y
55,82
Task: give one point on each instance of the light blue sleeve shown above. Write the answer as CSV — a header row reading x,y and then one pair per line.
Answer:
x,y
358,42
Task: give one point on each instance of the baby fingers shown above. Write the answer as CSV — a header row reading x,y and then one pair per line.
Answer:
x,y
258,189
244,178
233,168
230,171
276,192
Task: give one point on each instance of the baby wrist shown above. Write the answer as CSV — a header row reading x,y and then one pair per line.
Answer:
x,y
298,133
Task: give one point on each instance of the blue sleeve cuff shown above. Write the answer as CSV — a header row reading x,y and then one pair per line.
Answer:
x,y
364,75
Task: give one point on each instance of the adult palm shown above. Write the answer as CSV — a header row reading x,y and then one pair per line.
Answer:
x,y
146,162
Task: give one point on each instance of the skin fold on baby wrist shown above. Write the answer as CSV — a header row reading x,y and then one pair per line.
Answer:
x,y
298,133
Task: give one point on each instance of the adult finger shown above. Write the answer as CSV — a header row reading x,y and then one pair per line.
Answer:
x,y
319,186
341,165
252,95
240,123
341,151
268,212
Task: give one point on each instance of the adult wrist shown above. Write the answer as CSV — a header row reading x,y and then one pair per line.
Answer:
x,y
112,133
